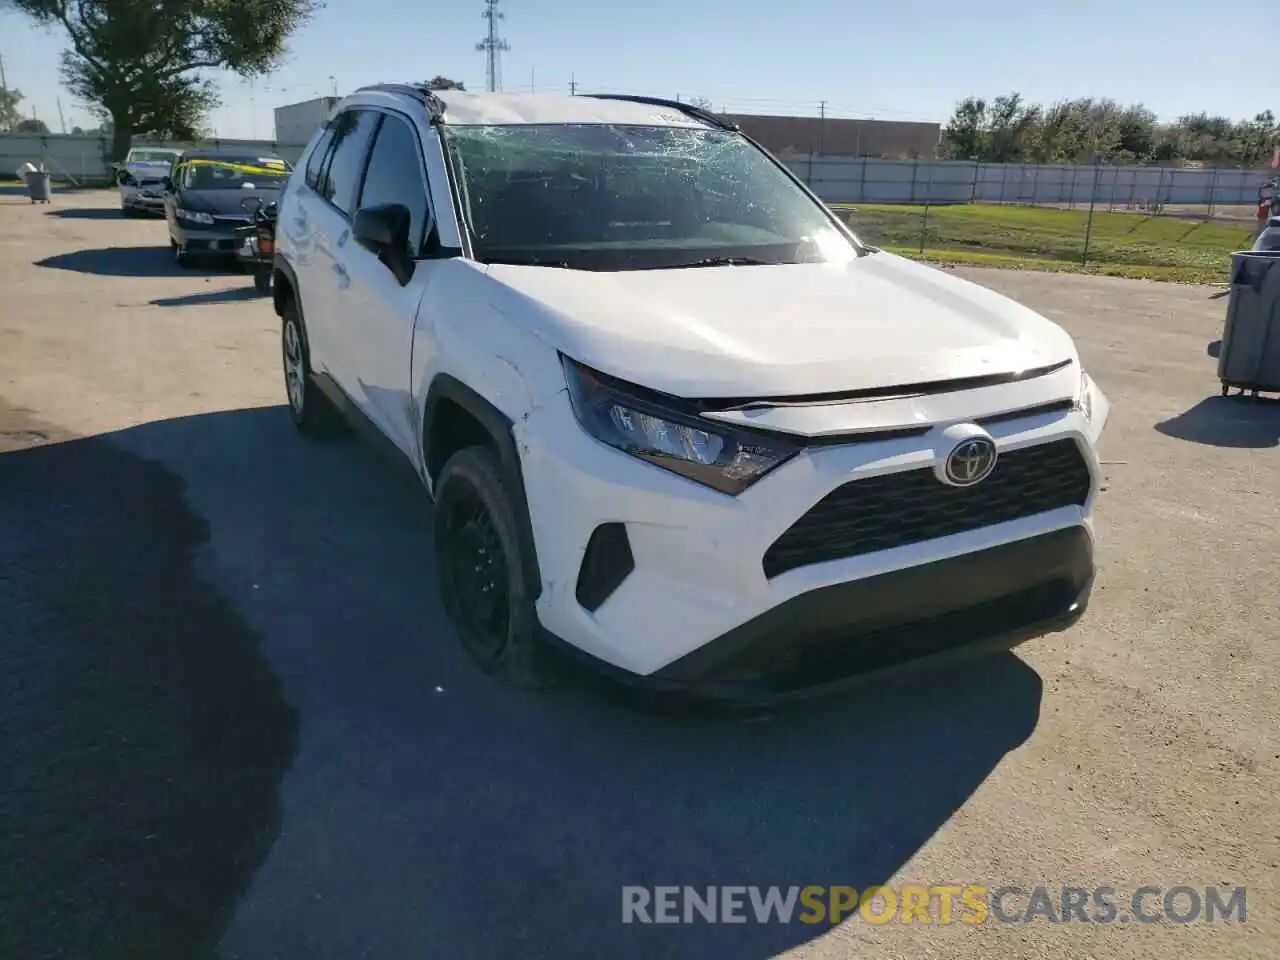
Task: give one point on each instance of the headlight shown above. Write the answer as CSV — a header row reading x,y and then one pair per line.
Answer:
x,y
1084,399
1093,405
195,216
645,425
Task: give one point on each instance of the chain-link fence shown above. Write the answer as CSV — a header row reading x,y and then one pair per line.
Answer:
x,y
1129,221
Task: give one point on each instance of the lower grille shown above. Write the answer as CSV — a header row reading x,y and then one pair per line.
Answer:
x,y
812,659
898,509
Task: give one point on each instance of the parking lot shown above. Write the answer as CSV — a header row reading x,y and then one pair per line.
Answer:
x,y
233,722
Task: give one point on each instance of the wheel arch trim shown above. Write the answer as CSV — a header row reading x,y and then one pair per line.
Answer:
x,y
499,427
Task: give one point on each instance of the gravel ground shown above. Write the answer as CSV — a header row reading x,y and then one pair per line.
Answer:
x,y
233,721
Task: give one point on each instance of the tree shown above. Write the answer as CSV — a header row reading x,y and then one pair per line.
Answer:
x,y
701,103
140,62
32,125
444,83
1007,129
965,136
9,115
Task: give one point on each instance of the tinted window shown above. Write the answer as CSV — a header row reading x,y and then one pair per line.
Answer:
x,y
395,175
315,163
352,131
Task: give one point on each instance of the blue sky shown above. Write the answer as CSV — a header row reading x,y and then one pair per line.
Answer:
x,y
901,59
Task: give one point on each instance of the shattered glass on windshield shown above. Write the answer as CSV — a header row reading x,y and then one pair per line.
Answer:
x,y
599,196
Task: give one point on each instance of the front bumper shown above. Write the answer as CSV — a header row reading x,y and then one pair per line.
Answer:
x,y
875,629
220,241
136,199
696,609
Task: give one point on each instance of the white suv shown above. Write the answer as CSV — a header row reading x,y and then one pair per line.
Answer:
x,y
673,414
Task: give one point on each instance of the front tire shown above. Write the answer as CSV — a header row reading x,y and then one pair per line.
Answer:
x,y
311,411
180,255
480,565
262,280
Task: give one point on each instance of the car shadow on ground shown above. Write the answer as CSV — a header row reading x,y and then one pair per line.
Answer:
x,y
131,262
429,810
144,733
234,295
1234,421
87,213
116,262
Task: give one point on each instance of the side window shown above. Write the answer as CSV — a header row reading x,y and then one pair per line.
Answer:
x,y
396,175
315,162
352,132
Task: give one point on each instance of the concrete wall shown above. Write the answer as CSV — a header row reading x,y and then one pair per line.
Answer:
x,y
835,179
865,180
83,159
787,136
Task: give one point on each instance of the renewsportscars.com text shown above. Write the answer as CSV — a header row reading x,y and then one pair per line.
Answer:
x,y
938,904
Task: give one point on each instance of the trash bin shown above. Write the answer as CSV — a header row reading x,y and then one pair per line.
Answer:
x,y
1249,357
37,186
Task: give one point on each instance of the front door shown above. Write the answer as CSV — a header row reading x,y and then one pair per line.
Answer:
x,y
383,312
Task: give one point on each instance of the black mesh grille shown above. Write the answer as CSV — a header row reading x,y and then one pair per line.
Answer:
x,y
903,508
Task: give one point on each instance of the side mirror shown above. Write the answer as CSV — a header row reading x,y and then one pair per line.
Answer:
x,y
384,231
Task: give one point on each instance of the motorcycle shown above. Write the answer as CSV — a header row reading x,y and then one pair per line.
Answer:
x,y
259,248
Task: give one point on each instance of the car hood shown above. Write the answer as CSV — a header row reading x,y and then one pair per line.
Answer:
x,y
224,201
784,330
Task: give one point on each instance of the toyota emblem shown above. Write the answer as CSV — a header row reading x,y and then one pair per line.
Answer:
x,y
970,461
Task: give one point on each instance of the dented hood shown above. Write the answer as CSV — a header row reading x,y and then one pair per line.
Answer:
x,y
784,330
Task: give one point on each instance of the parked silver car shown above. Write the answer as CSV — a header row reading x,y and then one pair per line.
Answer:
x,y
141,179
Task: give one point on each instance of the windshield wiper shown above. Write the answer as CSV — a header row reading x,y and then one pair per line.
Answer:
x,y
719,262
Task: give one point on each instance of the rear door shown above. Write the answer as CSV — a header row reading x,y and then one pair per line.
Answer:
x,y
331,205
295,229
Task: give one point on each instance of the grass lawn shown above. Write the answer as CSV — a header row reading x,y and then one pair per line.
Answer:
x,y
1039,238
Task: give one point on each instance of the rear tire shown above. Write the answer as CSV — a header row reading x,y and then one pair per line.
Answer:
x,y
480,566
262,280
311,411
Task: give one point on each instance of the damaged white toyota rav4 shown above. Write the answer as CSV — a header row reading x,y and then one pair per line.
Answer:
x,y
675,417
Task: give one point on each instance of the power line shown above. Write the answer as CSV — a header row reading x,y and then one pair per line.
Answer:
x,y
493,46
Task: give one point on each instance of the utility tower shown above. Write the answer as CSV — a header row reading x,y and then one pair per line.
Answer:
x,y
493,45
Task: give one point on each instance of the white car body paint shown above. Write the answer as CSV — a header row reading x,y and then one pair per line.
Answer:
x,y
145,193
786,330
791,330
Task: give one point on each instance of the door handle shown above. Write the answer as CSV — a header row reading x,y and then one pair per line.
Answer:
x,y
344,278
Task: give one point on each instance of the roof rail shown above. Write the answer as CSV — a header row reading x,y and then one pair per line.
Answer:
x,y
424,95
688,109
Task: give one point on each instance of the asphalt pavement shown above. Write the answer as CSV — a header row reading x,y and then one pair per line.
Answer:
x,y
238,726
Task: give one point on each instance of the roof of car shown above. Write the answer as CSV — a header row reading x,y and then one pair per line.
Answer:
x,y
464,107
220,153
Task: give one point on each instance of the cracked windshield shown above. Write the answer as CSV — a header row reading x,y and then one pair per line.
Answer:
x,y
602,196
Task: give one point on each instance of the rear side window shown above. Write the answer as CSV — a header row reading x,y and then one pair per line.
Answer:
x,y
315,163
352,133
